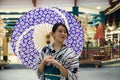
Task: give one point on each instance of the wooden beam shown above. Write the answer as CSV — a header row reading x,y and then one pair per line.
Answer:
x,y
113,4
110,2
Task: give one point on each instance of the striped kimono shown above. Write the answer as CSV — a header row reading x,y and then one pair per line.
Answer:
x,y
65,56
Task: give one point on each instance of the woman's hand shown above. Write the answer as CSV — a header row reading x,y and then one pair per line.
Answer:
x,y
51,60
47,59
63,71
55,62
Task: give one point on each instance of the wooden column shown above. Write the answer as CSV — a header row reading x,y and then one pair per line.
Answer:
x,y
75,8
34,3
75,2
5,49
102,20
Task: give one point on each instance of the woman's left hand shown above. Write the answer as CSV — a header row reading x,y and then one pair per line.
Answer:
x,y
54,62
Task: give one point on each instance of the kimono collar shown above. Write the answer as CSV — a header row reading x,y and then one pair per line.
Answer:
x,y
52,48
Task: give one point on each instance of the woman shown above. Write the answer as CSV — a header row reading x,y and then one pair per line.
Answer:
x,y
57,61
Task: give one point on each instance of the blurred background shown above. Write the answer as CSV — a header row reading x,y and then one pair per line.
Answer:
x,y
100,21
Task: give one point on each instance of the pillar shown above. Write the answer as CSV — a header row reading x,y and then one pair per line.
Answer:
x,y
102,20
5,49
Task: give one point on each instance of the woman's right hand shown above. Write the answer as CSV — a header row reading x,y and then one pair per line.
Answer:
x,y
47,59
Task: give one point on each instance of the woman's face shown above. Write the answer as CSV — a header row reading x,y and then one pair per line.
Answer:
x,y
60,34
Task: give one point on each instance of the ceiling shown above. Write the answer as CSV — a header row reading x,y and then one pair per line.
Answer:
x,y
19,6
65,4
92,4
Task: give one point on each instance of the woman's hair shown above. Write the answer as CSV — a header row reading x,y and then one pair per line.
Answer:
x,y
59,24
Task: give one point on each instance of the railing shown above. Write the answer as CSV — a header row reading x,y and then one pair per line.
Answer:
x,y
104,53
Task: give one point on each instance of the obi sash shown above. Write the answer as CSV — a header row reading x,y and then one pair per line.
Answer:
x,y
51,73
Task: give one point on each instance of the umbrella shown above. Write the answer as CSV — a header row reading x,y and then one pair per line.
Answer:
x,y
29,33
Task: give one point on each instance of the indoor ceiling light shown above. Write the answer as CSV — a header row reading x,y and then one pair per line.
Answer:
x,y
98,7
2,16
7,11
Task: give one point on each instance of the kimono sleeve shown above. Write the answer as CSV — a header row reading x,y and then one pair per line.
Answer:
x,y
73,67
38,61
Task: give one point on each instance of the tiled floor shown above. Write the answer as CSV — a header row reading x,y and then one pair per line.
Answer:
x,y
108,73
20,72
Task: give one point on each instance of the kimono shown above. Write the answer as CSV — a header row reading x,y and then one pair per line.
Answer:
x,y
65,56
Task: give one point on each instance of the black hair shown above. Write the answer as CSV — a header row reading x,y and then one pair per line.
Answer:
x,y
58,24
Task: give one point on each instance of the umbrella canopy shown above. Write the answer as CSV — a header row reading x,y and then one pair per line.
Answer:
x,y
31,29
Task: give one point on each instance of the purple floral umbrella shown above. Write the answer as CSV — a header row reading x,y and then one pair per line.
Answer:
x,y
30,30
